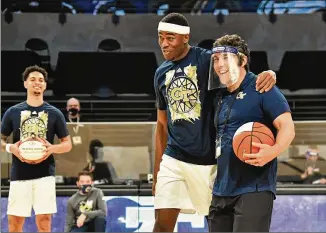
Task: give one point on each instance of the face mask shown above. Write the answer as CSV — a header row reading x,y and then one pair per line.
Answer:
x,y
73,111
85,188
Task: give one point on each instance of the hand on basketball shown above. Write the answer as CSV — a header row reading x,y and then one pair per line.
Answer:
x,y
48,150
14,149
81,219
261,158
265,81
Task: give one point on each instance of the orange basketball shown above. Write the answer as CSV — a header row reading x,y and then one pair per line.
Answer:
x,y
248,133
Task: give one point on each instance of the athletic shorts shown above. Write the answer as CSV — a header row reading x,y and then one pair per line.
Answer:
x,y
184,186
39,194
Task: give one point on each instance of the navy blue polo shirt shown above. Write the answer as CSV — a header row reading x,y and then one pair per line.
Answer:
x,y
181,90
235,177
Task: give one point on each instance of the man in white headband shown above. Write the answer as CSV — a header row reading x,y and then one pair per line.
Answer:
x,y
185,164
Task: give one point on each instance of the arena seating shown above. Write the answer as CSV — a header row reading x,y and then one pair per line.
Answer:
x,y
118,86
123,73
302,70
13,64
258,61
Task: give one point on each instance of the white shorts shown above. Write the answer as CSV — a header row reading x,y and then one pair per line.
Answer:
x,y
184,186
39,194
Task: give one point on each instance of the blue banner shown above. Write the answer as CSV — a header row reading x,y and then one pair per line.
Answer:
x,y
136,214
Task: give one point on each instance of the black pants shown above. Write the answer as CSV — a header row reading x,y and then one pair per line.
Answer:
x,y
243,213
97,224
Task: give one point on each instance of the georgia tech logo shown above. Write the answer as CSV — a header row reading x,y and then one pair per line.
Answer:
x,y
33,124
183,94
241,95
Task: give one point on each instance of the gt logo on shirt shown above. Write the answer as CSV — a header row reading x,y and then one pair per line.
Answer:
x,y
179,93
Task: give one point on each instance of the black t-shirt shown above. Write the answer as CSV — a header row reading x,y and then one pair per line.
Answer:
x,y
49,122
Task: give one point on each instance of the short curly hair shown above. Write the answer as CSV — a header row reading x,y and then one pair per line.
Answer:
x,y
35,68
237,42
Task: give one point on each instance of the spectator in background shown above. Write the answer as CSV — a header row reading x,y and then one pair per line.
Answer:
x,y
73,110
103,171
312,173
86,209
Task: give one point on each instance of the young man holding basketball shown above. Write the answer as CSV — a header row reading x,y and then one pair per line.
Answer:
x,y
185,164
32,183
244,192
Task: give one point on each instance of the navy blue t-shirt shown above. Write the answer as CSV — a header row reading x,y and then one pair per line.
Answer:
x,y
181,90
235,177
21,120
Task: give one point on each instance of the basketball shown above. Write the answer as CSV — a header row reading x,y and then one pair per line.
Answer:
x,y
248,133
32,150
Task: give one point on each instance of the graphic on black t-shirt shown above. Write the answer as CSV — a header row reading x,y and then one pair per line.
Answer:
x,y
33,124
183,94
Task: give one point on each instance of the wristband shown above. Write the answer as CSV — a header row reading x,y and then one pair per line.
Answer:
x,y
8,147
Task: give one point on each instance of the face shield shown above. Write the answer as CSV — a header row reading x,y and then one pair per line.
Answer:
x,y
224,67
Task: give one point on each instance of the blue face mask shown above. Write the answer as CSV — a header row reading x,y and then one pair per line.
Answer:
x,y
85,188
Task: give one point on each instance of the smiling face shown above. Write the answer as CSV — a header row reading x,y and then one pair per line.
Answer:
x,y
226,66
172,45
35,83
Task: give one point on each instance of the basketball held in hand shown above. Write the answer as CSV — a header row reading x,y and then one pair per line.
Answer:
x,y
249,133
32,150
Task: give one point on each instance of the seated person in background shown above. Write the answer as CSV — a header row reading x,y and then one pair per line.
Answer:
x,y
312,173
102,171
86,209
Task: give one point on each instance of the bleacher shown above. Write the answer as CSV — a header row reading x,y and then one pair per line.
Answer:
x,y
117,99
118,86
110,86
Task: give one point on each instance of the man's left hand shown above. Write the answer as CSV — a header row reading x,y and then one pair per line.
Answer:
x,y
81,220
261,158
265,81
49,149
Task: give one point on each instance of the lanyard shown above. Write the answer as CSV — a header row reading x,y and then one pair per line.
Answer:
x,y
219,106
76,128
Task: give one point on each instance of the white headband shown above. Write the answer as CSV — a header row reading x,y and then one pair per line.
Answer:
x,y
170,27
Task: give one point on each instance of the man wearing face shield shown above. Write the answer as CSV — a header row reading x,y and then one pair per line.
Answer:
x,y
244,192
86,209
185,164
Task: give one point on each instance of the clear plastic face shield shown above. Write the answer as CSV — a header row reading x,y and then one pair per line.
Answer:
x,y
224,67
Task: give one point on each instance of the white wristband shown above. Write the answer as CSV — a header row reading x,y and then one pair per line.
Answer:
x,y
8,147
